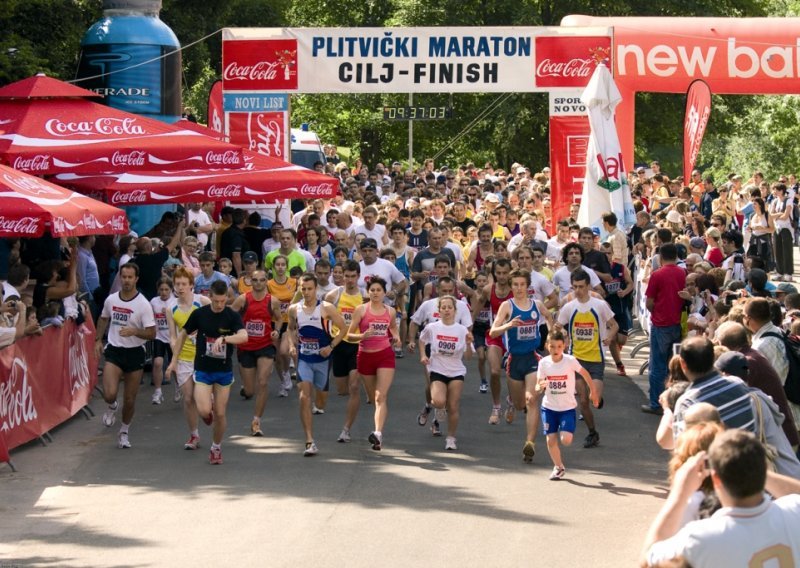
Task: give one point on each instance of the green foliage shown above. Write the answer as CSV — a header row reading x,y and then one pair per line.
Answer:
x,y
744,132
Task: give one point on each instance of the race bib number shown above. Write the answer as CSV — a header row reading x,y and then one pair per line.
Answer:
x,y
161,322
309,346
483,316
284,308
213,351
379,328
613,287
527,332
584,332
557,384
446,345
255,328
347,315
120,316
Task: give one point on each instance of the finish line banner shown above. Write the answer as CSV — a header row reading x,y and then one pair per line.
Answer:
x,y
409,60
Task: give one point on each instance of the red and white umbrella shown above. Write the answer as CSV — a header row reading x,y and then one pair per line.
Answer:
x,y
263,179
51,134
30,205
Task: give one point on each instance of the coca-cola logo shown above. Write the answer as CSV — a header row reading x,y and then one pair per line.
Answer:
x,y
227,192
572,68
129,197
37,163
266,133
133,158
78,362
568,61
227,158
22,226
260,71
31,185
16,398
316,190
91,222
59,225
117,223
105,126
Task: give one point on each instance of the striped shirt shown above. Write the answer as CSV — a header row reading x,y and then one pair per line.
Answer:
x,y
730,395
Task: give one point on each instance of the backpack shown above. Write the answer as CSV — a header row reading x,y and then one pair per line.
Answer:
x,y
792,345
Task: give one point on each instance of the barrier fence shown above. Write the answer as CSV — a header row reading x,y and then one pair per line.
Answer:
x,y
44,381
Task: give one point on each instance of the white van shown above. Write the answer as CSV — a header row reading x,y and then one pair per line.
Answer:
x,y
306,148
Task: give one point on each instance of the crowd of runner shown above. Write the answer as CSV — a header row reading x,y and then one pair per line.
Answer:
x,y
447,265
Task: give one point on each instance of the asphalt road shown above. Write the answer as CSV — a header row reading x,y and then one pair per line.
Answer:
x,y
80,501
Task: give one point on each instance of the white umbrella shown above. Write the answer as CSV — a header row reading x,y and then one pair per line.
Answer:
x,y
605,185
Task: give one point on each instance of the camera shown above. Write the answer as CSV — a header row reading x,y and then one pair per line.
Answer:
x,y
731,296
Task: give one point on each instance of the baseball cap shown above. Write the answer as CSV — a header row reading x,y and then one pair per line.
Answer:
x,y
249,256
697,243
596,231
732,363
545,170
640,170
368,243
673,217
492,197
520,170
786,288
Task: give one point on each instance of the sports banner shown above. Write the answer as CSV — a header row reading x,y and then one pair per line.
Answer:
x,y
698,111
409,60
39,392
569,142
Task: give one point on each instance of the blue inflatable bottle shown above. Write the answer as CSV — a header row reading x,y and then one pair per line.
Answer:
x,y
133,59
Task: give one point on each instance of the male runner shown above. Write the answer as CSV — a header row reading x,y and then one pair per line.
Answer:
x,y
308,329
218,329
590,325
518,320
495,294
256,357
182,364
132,325
344,354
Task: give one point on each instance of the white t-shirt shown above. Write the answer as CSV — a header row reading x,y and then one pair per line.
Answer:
x,y
136,312
428,312
561,279
765,535
160,310
383,268
540,287
448,344
377,232
559,393
202,219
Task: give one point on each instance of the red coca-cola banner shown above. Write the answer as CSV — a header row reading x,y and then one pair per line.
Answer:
x,y
262,132
216,114
569,61
39,392
569,142
260,65
698,111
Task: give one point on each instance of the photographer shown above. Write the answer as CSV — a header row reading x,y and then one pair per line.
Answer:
x,y
17,310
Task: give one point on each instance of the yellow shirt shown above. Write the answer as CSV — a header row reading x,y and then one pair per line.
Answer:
x,y
346,305
284,292
180,316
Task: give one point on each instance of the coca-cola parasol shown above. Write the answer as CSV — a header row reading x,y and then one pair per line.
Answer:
x,y
53,135
263,179
199,128
40,86
31,205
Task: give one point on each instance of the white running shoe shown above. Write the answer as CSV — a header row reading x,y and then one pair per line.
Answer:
x,y
283,393
122,441
110,415
450,443
311,449
558,473
178,396
344,437
158,398
315,410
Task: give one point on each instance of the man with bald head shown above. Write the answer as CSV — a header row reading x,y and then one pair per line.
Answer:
x,y
700,413
760,373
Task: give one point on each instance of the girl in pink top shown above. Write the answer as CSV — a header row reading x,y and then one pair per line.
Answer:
x,y
372,324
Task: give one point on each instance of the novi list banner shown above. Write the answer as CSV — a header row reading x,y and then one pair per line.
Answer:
x,y
409,60
698,111
38,393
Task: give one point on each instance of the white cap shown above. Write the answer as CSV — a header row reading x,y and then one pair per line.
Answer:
x,y
520,170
